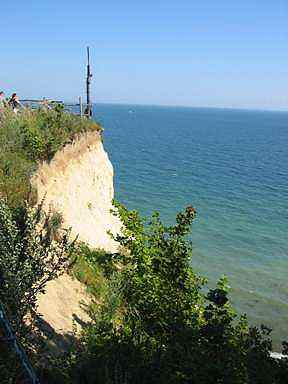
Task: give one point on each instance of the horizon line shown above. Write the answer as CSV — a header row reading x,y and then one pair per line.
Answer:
x,y
255,109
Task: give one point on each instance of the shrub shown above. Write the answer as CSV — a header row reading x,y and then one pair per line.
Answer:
x,y
162,327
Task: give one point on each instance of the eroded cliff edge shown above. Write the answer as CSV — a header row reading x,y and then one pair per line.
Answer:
x,y
78,183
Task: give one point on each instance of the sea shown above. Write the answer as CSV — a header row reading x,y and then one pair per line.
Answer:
x,y
232,166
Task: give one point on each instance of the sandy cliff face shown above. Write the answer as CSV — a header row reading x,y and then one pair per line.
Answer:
x,y
64,303
78,183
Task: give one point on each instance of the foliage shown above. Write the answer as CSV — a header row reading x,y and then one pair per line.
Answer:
x,y
29,137
29,258
157,326
91,267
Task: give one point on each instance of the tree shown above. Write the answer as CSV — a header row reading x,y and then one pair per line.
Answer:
x,y
30,256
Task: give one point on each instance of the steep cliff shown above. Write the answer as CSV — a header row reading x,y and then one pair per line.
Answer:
x,y
77,183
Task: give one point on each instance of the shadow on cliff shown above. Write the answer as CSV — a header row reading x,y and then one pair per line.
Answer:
x,y
55,343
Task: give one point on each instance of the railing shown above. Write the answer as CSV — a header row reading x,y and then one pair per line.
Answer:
x,y
76,108
10,339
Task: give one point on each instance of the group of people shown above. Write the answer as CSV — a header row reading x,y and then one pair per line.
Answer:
x,y
12,102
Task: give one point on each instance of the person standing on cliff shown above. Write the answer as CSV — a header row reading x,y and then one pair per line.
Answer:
x,y
14,102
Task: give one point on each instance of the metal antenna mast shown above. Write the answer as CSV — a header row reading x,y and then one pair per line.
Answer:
x,y
88,110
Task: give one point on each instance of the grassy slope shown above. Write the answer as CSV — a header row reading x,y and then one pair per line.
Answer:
x,y
31,137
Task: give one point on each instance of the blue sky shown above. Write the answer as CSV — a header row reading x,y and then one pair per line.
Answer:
x,y
221,53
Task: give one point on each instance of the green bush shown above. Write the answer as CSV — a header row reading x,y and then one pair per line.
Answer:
x,y
157,325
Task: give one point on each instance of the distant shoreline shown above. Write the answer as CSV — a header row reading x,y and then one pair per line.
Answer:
x,y
189,107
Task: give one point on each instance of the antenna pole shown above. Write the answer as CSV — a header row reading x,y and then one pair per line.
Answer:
x,y
88,111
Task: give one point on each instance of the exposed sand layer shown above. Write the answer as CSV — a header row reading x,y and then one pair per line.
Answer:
x,y
77,183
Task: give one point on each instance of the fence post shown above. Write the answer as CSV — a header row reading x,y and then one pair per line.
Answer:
x,y
81,106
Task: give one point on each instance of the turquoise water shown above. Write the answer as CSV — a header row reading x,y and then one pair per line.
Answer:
x,y
232,166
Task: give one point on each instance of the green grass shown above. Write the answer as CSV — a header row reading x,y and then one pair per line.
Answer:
x,y
95,269
28,138
88,270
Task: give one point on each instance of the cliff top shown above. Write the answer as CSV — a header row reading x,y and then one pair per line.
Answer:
x,y
31,137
